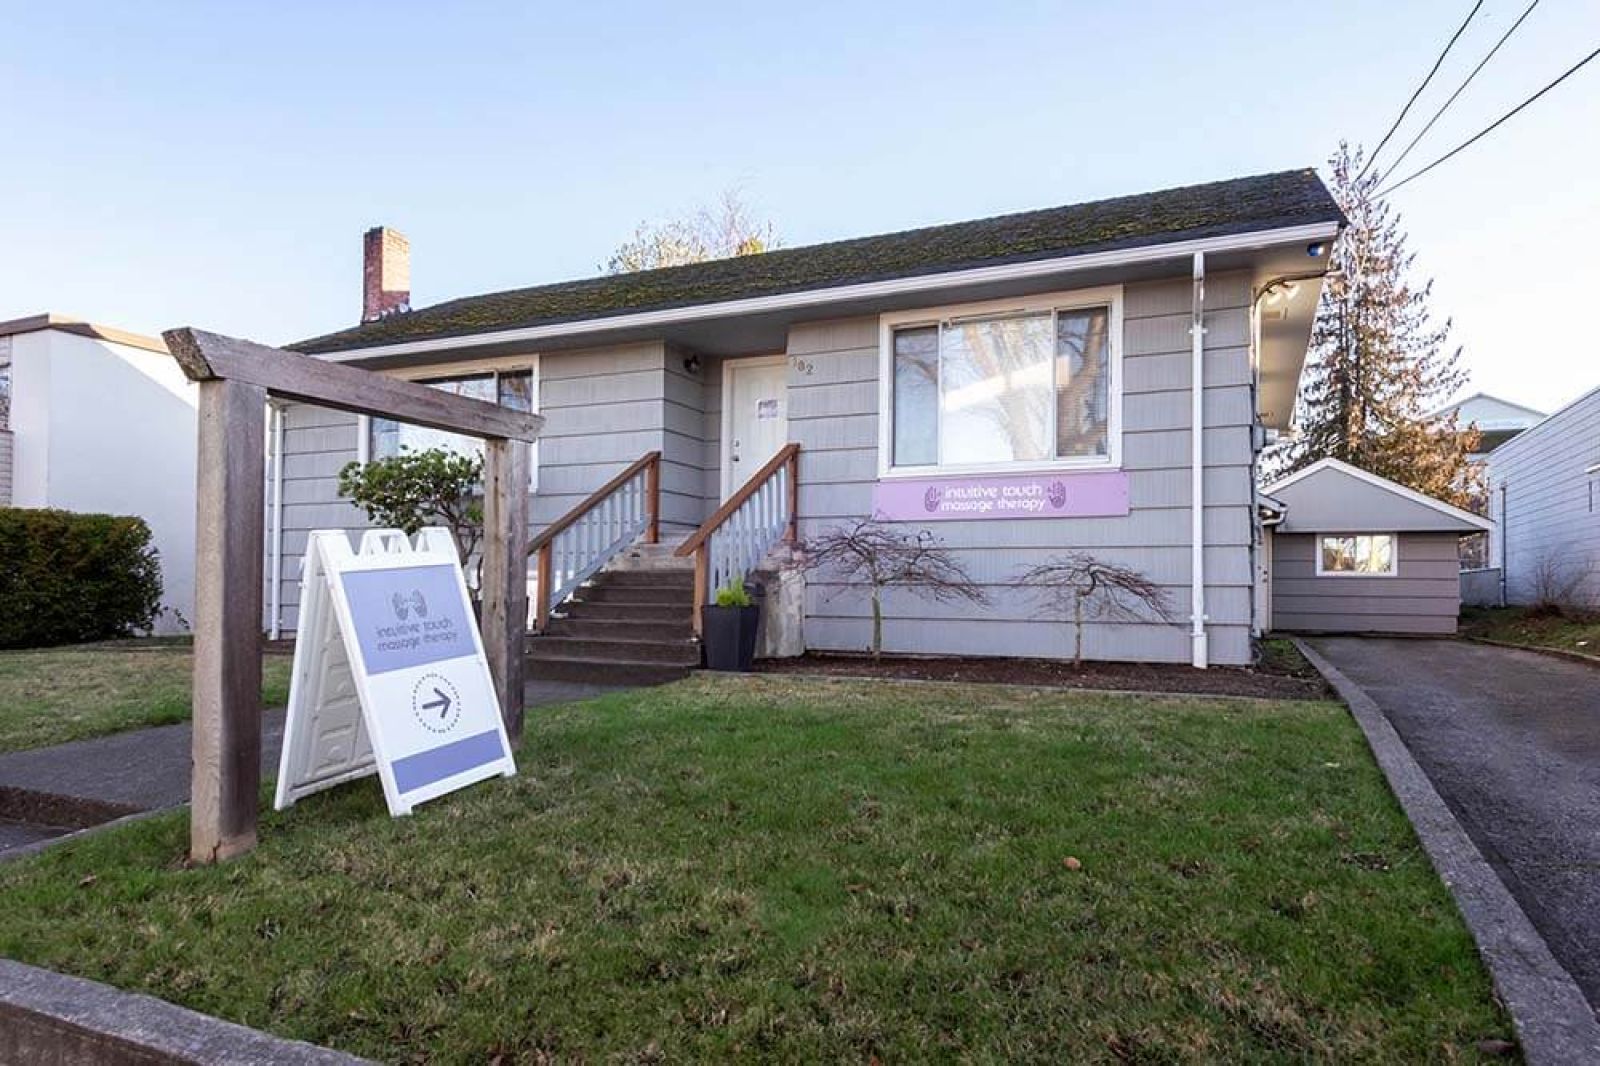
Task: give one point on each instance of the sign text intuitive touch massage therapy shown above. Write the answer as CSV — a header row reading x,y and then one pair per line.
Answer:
x,y
1074,494
389,673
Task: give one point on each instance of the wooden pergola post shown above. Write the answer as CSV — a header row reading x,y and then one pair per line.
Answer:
x,y
236,378
227,620
505,573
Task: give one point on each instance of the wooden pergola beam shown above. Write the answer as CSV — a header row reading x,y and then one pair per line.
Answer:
x,y
236,377
292,376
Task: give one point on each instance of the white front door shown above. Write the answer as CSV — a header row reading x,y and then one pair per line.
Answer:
x,y
1264,584
755,417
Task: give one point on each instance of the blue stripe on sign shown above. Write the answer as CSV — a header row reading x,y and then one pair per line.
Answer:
x,y
436,764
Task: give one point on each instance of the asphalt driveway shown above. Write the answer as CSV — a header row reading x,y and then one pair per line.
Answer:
x,y
1511,740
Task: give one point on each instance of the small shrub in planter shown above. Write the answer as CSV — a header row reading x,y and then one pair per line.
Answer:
x,y
67,578
730,628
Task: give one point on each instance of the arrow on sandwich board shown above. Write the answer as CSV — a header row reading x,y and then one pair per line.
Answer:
x,y
442,704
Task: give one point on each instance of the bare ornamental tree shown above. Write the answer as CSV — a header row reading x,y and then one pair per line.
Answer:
x,y
882,556
1077,586
727,230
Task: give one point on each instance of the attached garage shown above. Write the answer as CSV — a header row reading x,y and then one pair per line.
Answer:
x,y
1350,552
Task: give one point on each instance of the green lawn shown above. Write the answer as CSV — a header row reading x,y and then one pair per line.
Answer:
x,y
816,871
1540,629
58,694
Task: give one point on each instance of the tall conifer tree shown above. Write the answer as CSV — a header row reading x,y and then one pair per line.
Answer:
x,y
1378,365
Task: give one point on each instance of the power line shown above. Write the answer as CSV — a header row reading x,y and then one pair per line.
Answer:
x,y
1437,63
1475,138
1446,105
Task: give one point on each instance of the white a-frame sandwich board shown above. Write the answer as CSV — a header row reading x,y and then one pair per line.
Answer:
x,y
389,673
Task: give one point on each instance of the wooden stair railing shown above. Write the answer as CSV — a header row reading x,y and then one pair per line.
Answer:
x,y
575,546
734,540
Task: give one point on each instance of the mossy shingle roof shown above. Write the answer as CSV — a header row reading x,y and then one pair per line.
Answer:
x,y
1241,205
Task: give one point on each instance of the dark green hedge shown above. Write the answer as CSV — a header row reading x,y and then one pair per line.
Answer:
x,y
66,578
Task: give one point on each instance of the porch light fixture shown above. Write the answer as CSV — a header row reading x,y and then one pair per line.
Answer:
x,y
691,364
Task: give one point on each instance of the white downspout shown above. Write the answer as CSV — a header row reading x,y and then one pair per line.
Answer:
x,y
275,625
1199,655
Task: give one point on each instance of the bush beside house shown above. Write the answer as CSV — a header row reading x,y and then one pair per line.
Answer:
x,y
66,578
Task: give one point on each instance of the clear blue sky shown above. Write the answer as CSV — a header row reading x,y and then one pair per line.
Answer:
x,y
215,165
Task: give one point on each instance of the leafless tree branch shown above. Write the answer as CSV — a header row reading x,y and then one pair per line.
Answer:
x,y
1077,586
879,555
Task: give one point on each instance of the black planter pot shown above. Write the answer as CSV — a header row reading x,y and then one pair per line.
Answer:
x,y
730,637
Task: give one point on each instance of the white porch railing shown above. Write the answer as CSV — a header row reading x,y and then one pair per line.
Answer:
x,y
735,539
575,546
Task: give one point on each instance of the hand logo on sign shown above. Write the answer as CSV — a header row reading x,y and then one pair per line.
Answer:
x,y
405,605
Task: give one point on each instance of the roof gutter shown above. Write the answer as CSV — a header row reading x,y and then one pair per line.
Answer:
x,y
1238,242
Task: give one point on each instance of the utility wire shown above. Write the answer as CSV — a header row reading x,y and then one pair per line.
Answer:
x,y
1446,105
1437,63
1481,134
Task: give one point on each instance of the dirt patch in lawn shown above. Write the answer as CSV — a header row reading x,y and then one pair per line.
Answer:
x,y
1281,674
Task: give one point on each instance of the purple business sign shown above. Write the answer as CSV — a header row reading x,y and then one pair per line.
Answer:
x,y
408,616
1063,495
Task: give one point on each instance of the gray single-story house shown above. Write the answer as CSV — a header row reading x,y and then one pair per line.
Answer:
x,y
1098,377
1347,551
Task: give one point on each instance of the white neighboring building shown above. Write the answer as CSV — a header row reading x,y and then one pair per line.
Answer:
x,y
102,421
1497,420
1544,493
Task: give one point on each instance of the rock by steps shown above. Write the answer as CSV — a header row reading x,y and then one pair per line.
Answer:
x,y
631,624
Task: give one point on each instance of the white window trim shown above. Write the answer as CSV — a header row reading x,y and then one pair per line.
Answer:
x,y
1073,299
1394,556
466,368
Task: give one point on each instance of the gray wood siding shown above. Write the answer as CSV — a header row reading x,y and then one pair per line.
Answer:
x,y
1424,596
833,399
711,433
603,408
1551,514
317,443
606,407
6,444
683,447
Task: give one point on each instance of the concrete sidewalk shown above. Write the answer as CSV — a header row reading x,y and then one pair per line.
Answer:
x,y
148,769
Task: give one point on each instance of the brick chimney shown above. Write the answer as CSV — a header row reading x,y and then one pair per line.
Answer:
x,y
385,274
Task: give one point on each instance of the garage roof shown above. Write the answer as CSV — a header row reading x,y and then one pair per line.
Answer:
x,y
1331,496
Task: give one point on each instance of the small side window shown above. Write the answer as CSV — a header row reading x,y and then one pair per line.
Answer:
x,y
1356,554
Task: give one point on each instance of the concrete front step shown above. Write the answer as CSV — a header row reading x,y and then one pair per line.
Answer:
x,y
661,613
665,579
604,671
677,652
677,628
631,624
651,558
648,593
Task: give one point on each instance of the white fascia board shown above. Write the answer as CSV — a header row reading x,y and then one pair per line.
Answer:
x,y
1384,483
1240,242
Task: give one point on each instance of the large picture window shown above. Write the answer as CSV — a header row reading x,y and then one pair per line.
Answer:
x,y
509,388
979,389
1356,555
